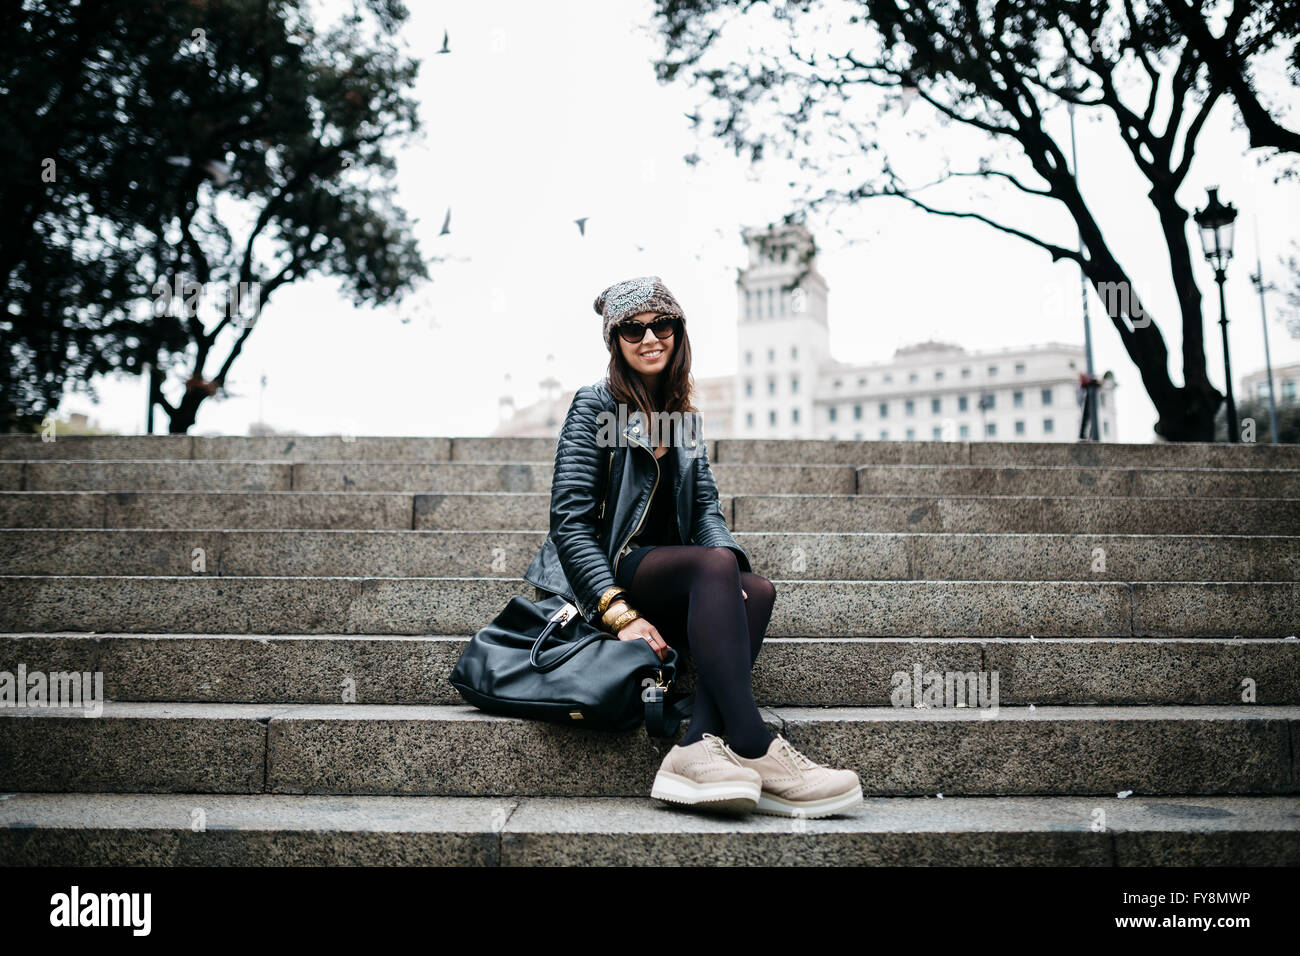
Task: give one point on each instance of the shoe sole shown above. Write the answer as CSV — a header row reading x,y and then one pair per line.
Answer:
x,y
811,809
731,796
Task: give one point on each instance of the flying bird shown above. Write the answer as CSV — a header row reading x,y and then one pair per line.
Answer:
x,y
445,47
446,224
693,117
582,225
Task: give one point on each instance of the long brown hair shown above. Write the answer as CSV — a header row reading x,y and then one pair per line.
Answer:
x,y
676,385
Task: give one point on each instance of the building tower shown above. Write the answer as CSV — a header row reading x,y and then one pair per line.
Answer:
x,y
783,338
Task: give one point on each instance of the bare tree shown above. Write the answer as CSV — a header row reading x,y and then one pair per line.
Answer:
x,y
995,69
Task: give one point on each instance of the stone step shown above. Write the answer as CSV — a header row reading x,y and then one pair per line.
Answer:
x,y
144,829
487,511
451,477
419,605
440,750
721,450
803,672
1023,514
825,555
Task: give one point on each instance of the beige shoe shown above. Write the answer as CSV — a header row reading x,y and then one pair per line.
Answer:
x,y
795,786
707,774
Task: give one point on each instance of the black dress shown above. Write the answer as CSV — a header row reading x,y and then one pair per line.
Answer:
x,y
660,524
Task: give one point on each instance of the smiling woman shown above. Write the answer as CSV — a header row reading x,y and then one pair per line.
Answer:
x,y
662,553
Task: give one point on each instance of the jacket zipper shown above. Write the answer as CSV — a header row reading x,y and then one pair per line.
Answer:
x,y
618,556
605,497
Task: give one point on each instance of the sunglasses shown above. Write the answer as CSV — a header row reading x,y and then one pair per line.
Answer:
x,y
633,332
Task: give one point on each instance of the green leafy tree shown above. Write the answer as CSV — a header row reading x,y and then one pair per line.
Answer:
x,y
159,147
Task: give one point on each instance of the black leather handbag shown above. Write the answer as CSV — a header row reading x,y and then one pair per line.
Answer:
x,y
585,677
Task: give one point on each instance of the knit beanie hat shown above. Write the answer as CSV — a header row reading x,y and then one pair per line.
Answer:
x,y
632,297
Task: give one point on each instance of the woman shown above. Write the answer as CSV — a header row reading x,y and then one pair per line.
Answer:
x,y
639,545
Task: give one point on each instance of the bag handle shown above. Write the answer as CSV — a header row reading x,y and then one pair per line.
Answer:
x,y
556,622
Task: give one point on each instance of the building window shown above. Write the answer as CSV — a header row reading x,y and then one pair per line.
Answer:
x,y
794,384
1288,390
1047,425
963,431
1105,428
771,386
771,355
909,407
963,403
1101,398
911,377
794,415
837,383
938,375
888,378
884,434
993,370
934,406
965,373
937,433
1018,399
1020,368
911,434
857,412
749,388
1047,396
990,400
749,358
749,304
749,419
884,409
990,429
771,417
830,413
1020,426
857,436
794,351
862,380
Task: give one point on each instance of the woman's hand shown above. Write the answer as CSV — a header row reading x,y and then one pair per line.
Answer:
x,y
641,629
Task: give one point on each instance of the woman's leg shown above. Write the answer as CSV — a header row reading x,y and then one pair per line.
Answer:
x,y
700,587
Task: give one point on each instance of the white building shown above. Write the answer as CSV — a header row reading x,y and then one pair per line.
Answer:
x,y
788,386
1286,384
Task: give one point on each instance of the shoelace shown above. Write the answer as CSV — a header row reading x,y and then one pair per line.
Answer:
x,y
718,746
801,760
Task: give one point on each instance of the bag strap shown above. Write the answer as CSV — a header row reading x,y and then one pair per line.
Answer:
x,y
662,718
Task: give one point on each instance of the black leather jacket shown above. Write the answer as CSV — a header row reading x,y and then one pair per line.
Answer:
x,y
601,492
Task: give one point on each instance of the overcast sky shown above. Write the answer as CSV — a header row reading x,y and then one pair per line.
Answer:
x,y
544,113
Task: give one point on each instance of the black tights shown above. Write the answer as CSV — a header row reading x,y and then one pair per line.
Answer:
x,y
691,594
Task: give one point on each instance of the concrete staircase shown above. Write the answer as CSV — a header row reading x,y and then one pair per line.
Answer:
x,y
275,619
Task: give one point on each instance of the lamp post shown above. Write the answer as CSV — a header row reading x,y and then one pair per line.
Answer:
x,y
1215,223
1258,281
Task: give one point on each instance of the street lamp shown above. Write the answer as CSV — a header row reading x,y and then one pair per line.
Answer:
x,y
1215,225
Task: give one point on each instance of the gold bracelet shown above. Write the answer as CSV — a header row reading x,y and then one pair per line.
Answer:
x,y
612,615
624,619
607,598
